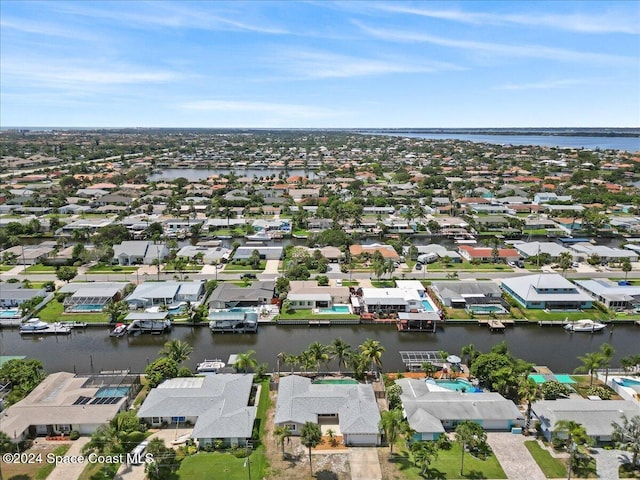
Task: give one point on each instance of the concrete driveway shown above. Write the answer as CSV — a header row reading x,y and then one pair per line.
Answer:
x,y
516,461
70,471
364,463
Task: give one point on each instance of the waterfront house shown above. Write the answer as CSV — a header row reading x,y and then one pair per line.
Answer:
x,y
584,250
484,254
616,296
546,291
432,413
266,253
64,402
218,406
13,295
533,249
137,252
596,416
390,300
387,251
229,295
210,255
149,294
349,409
460,294
307,294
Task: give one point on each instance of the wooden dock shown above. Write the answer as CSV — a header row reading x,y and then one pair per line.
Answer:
x,y
552,323
496,326
53,329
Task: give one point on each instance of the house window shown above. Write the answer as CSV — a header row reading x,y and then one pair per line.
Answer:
x,y
290,426
155,420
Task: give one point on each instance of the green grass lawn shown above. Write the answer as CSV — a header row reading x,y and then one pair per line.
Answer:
x,y
307,314
39,268
447,465
112,269
233,267
54,312
48,467
536,315
6,268
467,266
383,283
550,466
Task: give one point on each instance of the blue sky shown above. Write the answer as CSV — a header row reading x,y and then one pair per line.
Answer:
x,y
320,64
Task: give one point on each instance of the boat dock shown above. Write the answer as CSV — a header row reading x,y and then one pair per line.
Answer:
x,y
552,323
319,323
53,329
496,325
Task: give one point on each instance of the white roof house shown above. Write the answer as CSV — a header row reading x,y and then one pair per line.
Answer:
x,y
611,294
532,249
166,293
605,253
596,416
350,410
391,299
431,413
217,406
547,290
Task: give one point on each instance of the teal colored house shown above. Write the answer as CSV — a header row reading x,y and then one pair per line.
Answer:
x,y
546,291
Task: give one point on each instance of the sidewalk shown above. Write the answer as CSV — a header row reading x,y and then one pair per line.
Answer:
x,y
70,471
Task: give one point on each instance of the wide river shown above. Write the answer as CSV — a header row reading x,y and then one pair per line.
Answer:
x,y
93,349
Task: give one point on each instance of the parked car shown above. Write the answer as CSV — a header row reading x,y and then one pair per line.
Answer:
x,y
248,276
418,266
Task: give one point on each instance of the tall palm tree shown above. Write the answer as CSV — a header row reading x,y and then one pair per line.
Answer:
x,y
372,351
177,350
390,422
340,351
576,439
565,260
626,436
590,363
529,391
607,351
319,353
280,433
310,437
469,353
246,361
116,310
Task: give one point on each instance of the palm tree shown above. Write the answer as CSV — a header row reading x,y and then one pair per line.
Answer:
x,y
340,351
469,353
626,268
607,351
627,436
310,437
469,435
372,351
565,260
116,310
246,361
428,368
319,353
177,350
529,391
576,439
280,433
590,363
390,422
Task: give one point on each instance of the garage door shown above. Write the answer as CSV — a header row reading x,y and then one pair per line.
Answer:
x,y
362,439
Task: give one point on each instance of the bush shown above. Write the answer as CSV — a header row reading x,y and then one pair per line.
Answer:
x,y
553,390
74,435
444,443
599,391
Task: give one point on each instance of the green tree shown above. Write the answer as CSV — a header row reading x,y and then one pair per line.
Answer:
x,y
310,437
469,353
246,361
626,436
66,274
280,434
423,453
575,439
372,351
319,353
177,350
529,392
6,445
160,370
470,436
428,368
565,260
552,390
164,463
116,311
607,351
390,421
340,351
23,375
590,363
626,267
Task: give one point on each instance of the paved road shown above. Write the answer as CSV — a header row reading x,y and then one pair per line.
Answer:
x,y
516,461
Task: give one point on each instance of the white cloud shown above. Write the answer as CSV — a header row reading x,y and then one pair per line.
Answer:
x,y
545,84
499,49
46,29
604,22
280,109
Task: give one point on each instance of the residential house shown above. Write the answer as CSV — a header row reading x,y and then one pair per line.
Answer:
x,y
150,294
13,295
584,250
266,253
533,249
484,254
460,294
387,251
210,255
431,411
218,406
546,291
350,410
307,294
136,252
616,296
29,254
229,295
64,402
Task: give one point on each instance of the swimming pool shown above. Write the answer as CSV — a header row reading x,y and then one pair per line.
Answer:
x,y
176,310
242,309
628,382
86,308
486,309
427,307
10,313
335,309
457,385
112,392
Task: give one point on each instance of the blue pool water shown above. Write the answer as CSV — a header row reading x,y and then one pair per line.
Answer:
x,y
87,308
242,309
175,310
627,382
112,392
426,304
11,313
336,309
458,385
486,309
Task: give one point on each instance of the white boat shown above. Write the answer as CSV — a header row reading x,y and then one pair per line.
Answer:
x,y
210,366
33,325
259,237
119,331
585,325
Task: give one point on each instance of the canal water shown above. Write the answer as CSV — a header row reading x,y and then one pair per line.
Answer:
x,y
93,349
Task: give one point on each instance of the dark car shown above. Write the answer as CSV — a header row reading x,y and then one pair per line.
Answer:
x,y
248,276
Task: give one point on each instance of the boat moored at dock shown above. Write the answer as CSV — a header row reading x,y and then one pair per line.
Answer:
x,y
585,325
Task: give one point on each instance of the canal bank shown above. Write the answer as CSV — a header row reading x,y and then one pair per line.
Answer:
x,y
92,349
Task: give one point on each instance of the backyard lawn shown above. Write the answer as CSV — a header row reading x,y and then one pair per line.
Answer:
x,y
550,466
307,314
54,312
39,268
537,315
